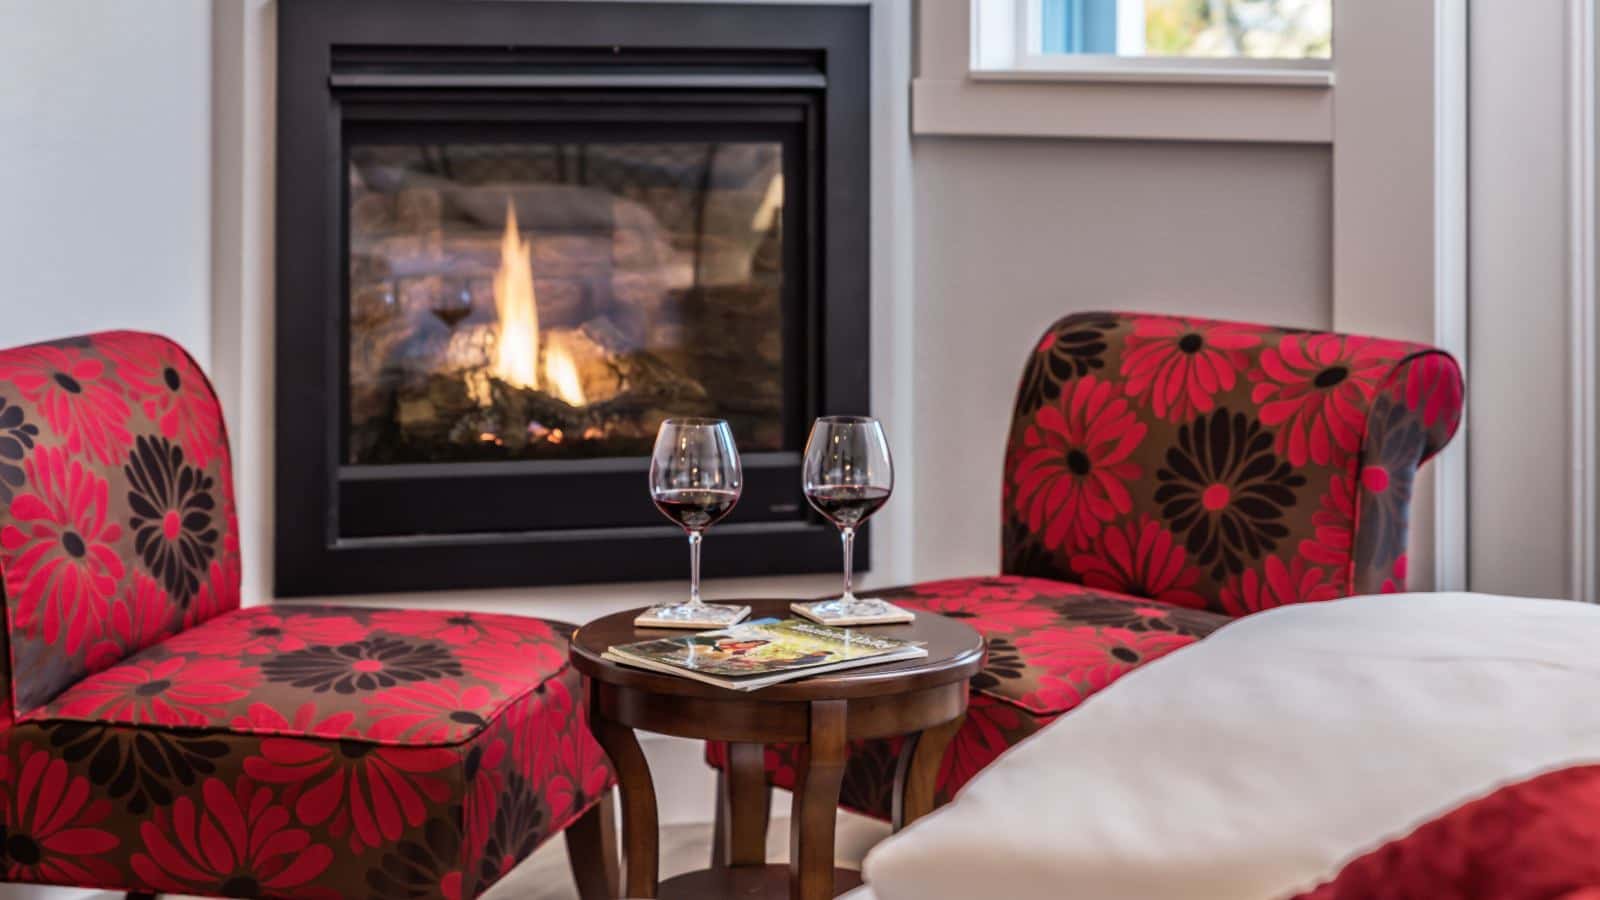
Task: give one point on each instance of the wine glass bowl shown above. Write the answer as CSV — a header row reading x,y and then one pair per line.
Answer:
x,y
695,480
847,476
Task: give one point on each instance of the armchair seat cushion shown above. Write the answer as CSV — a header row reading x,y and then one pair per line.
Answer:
x,y
399,677
1051,645
337,752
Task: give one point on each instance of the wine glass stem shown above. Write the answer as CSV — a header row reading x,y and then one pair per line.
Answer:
x,y
694,568
848,536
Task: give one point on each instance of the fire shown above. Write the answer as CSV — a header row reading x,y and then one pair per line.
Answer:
x,y
562,374
516,355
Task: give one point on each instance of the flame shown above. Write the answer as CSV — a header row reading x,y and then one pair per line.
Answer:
x,y
562,373
516,354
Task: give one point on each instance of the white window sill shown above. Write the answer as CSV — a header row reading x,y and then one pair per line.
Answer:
x,y
1276,106
1158,74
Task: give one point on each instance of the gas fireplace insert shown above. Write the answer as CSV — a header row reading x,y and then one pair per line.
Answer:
x,y
513,237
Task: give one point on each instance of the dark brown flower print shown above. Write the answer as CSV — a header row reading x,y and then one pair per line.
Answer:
x,y
1072,348
368,665
174,523
1225,491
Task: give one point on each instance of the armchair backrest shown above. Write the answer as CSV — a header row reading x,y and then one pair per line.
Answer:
x,y
1220,465
117,523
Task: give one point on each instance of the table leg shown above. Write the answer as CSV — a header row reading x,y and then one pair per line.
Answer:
x,y
640,832
743,807
816,800
916,775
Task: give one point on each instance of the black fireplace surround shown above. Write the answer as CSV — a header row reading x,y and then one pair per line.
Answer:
x,y
511,236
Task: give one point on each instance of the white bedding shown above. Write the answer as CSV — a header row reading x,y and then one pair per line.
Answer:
x,y
1255,763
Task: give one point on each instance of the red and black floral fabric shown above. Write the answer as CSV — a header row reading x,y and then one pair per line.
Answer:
x,y
157,738
1273,465
118,525
1163,474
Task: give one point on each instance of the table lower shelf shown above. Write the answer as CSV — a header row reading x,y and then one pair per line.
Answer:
x,y
769,882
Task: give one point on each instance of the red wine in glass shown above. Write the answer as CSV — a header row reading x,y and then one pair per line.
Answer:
x,y
695,480
846,475
695,508
847,505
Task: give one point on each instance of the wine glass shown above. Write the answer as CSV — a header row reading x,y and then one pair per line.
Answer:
x,y
695,480
847,475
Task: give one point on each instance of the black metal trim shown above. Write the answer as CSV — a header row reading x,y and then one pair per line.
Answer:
x,y
619,80
495,62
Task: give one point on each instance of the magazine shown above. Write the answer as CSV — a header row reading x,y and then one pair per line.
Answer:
x,y
854,611
761,653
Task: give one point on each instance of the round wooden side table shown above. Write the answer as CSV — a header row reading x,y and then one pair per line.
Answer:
x,y
923,699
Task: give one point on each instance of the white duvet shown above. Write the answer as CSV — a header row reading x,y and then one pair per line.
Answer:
x,y
1254,763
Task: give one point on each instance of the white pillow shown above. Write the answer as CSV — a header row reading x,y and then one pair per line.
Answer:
x,y
1254,763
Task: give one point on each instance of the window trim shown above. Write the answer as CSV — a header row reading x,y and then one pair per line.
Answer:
x,y
950,98
1005,37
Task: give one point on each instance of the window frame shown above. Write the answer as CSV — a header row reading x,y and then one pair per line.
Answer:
x,y
1005,35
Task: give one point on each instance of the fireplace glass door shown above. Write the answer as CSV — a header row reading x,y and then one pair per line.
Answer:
x,y
555,299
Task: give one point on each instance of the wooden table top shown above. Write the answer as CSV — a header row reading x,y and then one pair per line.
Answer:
x,y
955,653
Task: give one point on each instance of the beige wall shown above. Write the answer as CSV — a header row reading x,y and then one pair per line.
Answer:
x,y
1012,234
1518,396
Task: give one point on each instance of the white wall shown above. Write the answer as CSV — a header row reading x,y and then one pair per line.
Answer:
x,y
1012,234
104,169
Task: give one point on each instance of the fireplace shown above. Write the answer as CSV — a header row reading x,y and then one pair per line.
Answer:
x,y
513,237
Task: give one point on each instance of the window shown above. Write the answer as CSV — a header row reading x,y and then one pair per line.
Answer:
x,y
1249,40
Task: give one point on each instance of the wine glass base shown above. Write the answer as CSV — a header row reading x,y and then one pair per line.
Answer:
x,y
683,615
853,611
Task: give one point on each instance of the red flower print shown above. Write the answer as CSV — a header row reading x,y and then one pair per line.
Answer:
x,y
1181,365
219,593
143,618
1395,445
1317,387
582,773
486,788
266,631
1276,584
513,665
430,712
77,394
1142,559
1076,662
58,552
1072,470
172,691
361,790
263,719
173,392
1333,526
537,724
461,628
991,605
52,832
1396,582
239,842
1433,386
991,727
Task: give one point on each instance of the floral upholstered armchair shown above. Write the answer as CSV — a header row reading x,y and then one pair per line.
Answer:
x,y
1162,476
154,737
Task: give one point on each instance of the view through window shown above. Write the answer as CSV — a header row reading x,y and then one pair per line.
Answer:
x,y
1025,34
